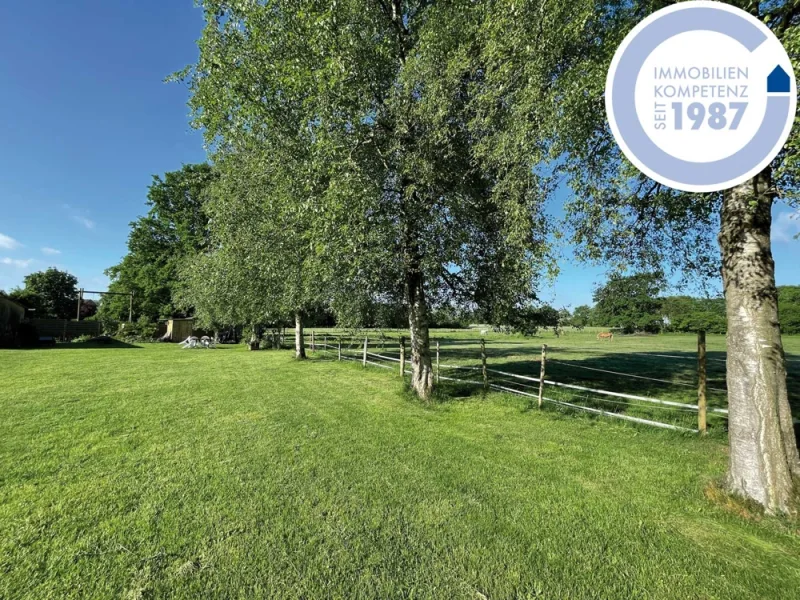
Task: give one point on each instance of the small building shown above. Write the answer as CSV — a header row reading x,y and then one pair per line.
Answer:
x,y
178,330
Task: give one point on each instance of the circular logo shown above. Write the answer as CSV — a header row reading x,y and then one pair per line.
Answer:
x,y
701,96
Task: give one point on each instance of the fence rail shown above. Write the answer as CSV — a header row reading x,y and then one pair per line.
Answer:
x,y
639,408
66,330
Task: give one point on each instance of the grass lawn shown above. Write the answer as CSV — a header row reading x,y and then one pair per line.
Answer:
x,y
153,472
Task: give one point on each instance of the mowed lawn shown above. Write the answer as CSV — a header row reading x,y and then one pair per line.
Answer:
x,y
156,472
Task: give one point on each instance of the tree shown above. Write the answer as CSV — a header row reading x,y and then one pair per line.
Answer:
x,y
52,293
440,129
688,314
763,455
174,229
260,267
630,302
416,204
581,317
530,319
789,308
618,215
88,308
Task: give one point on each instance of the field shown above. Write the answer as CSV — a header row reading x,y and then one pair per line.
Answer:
x,y
150,472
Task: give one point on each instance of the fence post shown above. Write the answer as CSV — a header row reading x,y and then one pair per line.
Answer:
x,y
325,342
483,366
701,382
313,344
366,341
340,348
80,301
541,374
402,356
437,361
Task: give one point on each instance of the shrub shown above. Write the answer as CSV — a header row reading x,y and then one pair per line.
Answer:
x,y
139,331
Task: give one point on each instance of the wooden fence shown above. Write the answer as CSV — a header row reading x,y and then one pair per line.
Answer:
x,y
66,330
565,395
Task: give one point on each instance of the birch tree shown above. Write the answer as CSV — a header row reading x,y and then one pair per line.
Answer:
x,y
262,266
621,217
379,89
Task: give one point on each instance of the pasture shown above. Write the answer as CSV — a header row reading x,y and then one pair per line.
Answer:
x,y
149,472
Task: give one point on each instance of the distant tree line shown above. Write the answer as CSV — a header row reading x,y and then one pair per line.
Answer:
x,y
635,304
52,294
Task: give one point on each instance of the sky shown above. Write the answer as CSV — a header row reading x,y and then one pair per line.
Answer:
x,y
86,120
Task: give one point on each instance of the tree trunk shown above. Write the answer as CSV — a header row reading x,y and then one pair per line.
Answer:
x,y
253,344
421,369
763,450
299,342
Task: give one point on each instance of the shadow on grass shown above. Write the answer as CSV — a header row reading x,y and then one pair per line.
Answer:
x,y
662,375
453,391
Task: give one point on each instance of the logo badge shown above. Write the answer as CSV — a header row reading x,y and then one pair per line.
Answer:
x,y
701,96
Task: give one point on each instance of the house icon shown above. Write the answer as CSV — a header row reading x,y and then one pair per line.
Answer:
x,y
778,81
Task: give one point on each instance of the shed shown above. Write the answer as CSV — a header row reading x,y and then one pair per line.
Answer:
x,y
178,329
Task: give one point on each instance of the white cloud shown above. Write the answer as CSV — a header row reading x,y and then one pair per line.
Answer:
x,y
15,262
786,226
8,243
50,251
88,223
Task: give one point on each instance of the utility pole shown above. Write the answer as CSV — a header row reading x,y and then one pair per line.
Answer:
x,y
80,301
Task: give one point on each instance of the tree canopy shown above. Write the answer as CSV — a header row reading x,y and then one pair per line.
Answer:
x,y
51,293
630,302
174,229
393,108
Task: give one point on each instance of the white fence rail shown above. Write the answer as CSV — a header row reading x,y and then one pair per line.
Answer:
x,y
584,398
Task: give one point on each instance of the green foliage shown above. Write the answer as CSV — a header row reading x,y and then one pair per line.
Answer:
x,y
582,317
141,330
687,314
449,317
173,231
789,308
529,320
261,267
630,302
406,195
52,293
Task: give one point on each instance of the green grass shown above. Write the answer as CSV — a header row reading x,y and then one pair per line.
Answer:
x,y
156,472
579,358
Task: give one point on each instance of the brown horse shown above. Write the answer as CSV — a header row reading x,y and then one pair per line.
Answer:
x,y
607,335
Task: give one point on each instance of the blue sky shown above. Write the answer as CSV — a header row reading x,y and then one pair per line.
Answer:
x,y
87,120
